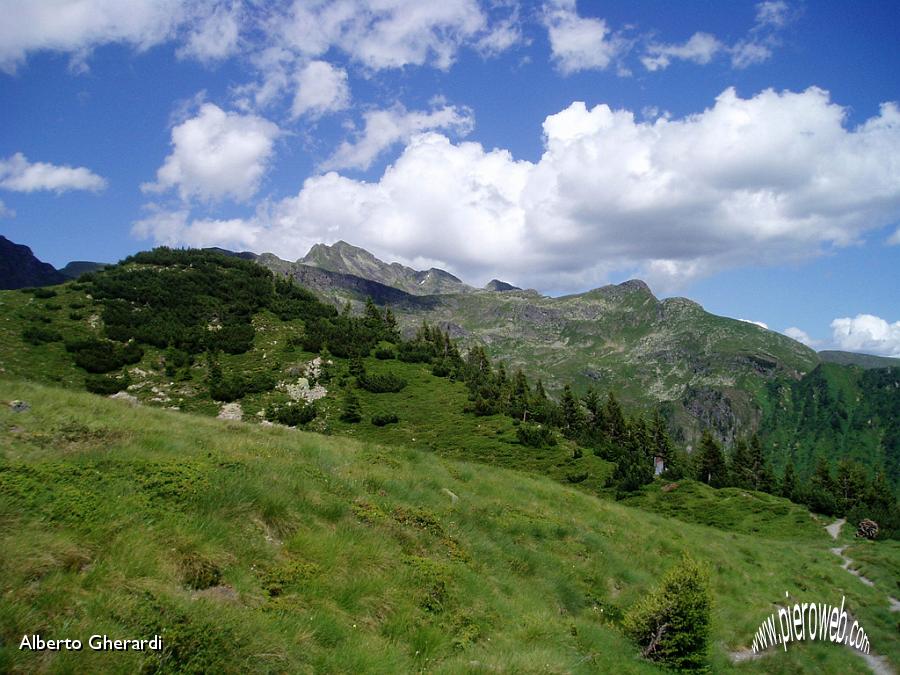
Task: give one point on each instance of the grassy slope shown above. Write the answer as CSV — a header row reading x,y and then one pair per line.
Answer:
x,y
105,508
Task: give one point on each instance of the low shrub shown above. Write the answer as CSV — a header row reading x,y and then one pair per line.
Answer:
x,y
105,385
385,354
535,435
383,419
671,624
292,414
380,383
38,335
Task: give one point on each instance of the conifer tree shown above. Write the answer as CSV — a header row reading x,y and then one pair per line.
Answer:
x,y
789,482
352,411
821,497
742,469
661,441
711,467
634,466
392,331
614,419
572,416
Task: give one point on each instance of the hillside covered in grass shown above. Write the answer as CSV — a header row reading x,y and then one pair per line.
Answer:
x,y
259,549
202,332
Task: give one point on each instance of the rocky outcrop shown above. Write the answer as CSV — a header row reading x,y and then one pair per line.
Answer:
x,y
19,268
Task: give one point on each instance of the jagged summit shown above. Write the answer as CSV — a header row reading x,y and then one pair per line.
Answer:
x,y
20,268
348,259
497,285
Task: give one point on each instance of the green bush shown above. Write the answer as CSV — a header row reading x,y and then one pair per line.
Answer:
x,y
671,624
383,419
351,411
381,383
385,354
102,356
535,435
38,335
105,384
44,293
234,386
292,414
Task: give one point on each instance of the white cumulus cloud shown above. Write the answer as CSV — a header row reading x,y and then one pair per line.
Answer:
x,y
383,34
385,128
321,88
867,333
700,48
20,175
215,33
217,154
579,43
78,27
756,323
755,47
772,178
5,211
894,239
801,336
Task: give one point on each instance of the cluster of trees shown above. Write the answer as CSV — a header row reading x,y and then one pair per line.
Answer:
x,y
633,443
348,336
846,490
103,356
194,301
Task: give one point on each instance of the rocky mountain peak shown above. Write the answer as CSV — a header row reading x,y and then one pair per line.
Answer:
x,y
19,267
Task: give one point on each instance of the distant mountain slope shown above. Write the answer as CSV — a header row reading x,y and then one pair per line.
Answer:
x,y
708,370
861,360
837,412
19,268
76,268
344,258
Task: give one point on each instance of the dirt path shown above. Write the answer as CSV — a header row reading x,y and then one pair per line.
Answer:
x,y
879,665
835,528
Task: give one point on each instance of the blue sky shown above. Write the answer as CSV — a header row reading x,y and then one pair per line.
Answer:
x,y
746,155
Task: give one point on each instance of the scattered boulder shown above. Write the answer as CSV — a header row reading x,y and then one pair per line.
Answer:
x,y
231,411
125,396
868,529
19,406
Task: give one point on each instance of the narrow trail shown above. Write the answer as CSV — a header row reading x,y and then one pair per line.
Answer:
x,y
879,665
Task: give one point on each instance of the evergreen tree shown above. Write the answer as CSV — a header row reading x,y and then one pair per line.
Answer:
x,y
763,476
614,420
572,416
742,469
711,466
634,466
851,485
789,482
661,441
392,331
356,366
821,496
352,411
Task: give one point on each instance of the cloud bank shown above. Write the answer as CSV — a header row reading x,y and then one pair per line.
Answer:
x,y
867,333
20,175
748,181
217,155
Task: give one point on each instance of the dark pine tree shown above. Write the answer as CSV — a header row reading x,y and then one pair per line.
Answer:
x,y
789,482
351,411
711,466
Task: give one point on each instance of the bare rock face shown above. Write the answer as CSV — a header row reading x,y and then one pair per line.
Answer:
x,y
231,411
125,396
868,529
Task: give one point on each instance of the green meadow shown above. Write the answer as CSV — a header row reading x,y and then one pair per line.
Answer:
x,y
267,549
